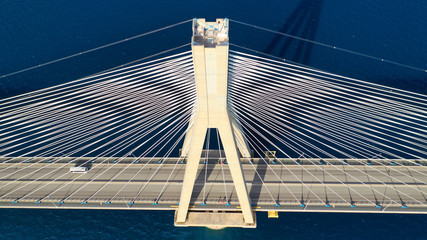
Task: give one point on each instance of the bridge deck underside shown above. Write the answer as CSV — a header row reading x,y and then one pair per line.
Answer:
x,y
290,185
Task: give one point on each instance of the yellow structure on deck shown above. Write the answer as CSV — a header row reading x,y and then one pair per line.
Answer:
x,y
273,214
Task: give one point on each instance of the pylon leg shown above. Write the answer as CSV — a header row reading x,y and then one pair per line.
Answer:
x,y
193,160
195,150
187,139
241,143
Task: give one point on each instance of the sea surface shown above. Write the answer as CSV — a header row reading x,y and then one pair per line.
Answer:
x,y
33,32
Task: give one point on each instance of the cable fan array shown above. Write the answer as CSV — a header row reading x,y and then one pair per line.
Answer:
x,y
309,115
319,115
136,111
122,120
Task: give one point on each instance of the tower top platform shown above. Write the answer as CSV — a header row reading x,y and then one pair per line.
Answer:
x,y
210,34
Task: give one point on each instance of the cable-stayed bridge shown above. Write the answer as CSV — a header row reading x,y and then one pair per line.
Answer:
x,y
215,134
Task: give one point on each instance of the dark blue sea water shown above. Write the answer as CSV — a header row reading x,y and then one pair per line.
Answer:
x,y
33,32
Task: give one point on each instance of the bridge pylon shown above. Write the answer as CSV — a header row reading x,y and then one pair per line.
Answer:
x,y
210,58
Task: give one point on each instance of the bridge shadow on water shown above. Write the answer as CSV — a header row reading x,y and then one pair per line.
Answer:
x,y
303,22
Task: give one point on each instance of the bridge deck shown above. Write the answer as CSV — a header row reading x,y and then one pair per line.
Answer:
x,y
390,186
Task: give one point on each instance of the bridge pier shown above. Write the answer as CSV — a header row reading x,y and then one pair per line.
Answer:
x,y
210,59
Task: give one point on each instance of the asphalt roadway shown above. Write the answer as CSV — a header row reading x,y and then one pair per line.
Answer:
x,y
284,184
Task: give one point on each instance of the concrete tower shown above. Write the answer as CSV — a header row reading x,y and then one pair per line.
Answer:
x,y
210,59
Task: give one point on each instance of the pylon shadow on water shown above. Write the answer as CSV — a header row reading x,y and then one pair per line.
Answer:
x,y
303,22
